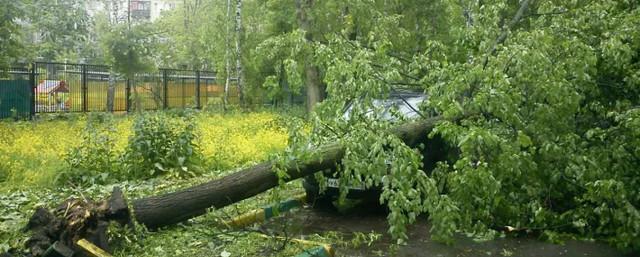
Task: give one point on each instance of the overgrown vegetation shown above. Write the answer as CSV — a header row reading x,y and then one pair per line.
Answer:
x,y
101,148
539,99
94,160
162,145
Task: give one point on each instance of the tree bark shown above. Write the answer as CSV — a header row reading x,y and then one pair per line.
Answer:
x,y
239,72
111,89
312,77
225,97
314,90
524,6
171,208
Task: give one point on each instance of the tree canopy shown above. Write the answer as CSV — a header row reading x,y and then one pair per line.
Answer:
x,y
56,30
539,100
10,47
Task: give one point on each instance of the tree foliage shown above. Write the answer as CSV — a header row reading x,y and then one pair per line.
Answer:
x,y
190,37
57,30
10,45
540,100
129,48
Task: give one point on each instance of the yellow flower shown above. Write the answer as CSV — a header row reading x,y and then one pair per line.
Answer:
x,y
33,153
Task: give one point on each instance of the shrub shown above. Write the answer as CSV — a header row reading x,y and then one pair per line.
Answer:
x,y
95,159
162,143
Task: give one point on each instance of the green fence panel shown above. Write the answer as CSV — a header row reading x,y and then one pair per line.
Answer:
x,y
15,98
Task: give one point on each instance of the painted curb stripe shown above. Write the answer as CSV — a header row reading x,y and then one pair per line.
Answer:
x,y
266,213
270,212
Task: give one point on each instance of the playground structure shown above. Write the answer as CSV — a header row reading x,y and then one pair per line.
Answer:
x,y
52,96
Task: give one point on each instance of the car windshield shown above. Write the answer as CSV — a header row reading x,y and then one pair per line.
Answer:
x,y
406,102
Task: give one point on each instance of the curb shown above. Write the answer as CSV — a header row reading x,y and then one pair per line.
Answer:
x,y
260,215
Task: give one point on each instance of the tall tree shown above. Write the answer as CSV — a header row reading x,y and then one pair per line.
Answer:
x,y
227,57
312,78
129,53
239,39
10,41
112,13
57,30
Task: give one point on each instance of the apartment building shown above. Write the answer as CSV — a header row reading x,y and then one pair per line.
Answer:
x,y
137,10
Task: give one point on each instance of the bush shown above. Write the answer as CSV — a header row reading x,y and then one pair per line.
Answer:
x,y
162,143
94,160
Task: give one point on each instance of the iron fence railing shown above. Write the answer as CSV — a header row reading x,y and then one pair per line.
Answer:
x,y
71,87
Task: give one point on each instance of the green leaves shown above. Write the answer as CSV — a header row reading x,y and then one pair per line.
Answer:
x,y
162,144
524,140
57,30
129,48
10,43
519,123
545,126
284,52
94,160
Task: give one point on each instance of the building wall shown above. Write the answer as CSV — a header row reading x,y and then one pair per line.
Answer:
x,y
141,10
159,6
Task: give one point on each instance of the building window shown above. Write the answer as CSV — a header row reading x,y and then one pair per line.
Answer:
x,y
140,9
140,5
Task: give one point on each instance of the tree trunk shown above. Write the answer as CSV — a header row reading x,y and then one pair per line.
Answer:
x,y
171,208
239,72
225,97
185,15
314,91
312,78
111,89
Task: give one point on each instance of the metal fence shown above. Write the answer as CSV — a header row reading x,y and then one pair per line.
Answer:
x,y
70,87
15,98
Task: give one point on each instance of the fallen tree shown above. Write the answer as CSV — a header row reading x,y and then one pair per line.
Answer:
x,y
75,219
171,208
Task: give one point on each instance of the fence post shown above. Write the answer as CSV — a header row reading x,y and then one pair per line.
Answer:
x,y
165,103
198,89
84,88
32,83
127,95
